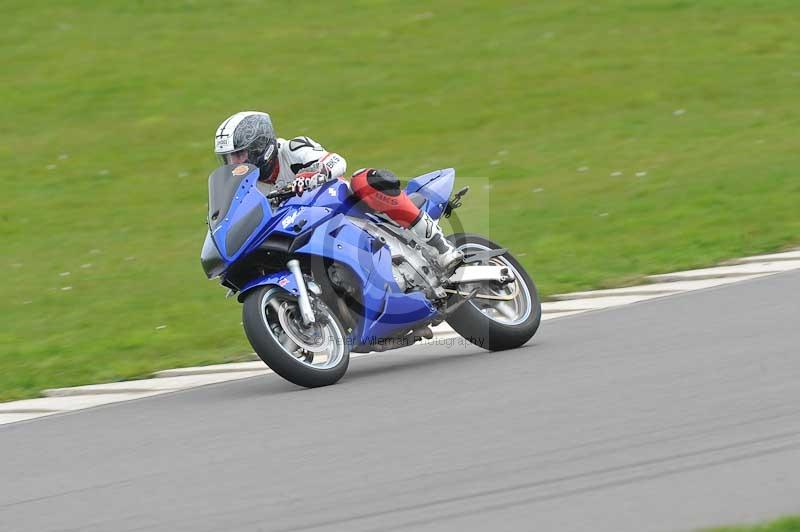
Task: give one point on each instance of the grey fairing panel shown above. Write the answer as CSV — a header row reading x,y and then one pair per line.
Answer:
x,y
242,230
210,258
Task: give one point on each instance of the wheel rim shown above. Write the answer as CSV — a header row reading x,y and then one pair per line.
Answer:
x,y
318,346
510,312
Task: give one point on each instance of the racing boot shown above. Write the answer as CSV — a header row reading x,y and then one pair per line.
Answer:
x,y
428,230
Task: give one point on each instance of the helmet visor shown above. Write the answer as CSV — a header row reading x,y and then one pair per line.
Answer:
x,y
236,157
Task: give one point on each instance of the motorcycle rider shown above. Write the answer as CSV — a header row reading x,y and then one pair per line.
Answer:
x,y
248,137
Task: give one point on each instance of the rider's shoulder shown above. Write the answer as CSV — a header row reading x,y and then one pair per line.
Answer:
x,y
303,143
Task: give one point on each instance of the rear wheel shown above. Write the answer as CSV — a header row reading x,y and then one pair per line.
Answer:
x,y
500,316
307,355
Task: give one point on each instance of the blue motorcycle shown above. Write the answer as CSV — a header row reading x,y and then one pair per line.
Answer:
x,y
320,276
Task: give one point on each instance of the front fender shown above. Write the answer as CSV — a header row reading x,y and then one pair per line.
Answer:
x,y
283,279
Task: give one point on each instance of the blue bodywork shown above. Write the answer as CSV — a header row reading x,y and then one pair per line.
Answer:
x,y
316,223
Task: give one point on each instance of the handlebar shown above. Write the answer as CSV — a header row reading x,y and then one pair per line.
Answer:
x,y
281,194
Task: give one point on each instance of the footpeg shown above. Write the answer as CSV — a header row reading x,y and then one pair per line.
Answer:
x,y
423,333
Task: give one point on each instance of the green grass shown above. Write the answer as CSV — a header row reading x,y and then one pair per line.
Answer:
x,y
681,116
786,524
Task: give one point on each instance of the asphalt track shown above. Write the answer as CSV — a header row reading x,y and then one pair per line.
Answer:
x,y
670,414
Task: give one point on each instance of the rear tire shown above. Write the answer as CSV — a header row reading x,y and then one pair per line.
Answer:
x,y
476,325
264,328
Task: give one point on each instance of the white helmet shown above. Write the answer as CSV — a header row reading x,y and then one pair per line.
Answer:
x,y
249,134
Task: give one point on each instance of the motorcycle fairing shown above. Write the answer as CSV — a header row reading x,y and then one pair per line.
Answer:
x,y
386,309
290,224
238,212
436,187
335,194
315,224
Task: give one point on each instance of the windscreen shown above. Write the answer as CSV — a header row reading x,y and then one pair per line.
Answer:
x,y
222,187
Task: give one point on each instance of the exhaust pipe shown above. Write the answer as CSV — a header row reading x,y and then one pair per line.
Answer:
x,y
470,274
302,298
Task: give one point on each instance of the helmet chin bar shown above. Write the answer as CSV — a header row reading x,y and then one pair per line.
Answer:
x,y
267,170
267,162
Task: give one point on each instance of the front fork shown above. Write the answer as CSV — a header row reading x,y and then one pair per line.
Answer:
x,y
303,301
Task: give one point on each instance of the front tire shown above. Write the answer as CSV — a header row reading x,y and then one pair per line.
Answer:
x,y
309,356
495,324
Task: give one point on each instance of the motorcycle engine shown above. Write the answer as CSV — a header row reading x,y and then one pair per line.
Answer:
x,y
410,266
405,275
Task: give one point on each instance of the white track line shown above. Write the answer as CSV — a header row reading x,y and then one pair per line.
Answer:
x,y
216,368
788,255
76,398
740,270
146,386
667,288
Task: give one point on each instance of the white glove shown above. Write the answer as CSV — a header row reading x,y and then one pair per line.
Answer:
x,y
308,180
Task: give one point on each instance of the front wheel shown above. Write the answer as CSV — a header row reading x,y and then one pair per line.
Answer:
x,y
307,355
499,316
